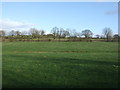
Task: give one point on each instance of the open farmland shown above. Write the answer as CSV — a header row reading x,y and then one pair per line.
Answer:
x,y
60,64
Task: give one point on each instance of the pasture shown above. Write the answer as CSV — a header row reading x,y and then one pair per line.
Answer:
x,y
60,64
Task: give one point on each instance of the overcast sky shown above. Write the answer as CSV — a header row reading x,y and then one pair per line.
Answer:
x,y
46,15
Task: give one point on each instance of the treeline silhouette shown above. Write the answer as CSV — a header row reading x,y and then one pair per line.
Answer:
x,y
58,34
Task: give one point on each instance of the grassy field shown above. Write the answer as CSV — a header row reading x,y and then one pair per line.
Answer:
x,y
60,64
0,65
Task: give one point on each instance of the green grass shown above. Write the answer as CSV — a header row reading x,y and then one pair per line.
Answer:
x,y
60,64
0,65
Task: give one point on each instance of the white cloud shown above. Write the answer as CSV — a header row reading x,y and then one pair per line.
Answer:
x,y
7,24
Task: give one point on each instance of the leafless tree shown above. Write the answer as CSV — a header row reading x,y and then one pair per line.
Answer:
x,y
24,33
107,33
79,34
18,33
2,33
55,31
12,33
42,32
34,31
72,33
60,33
65,33
98,36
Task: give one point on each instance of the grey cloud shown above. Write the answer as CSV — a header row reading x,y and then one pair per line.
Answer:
x,y
111,12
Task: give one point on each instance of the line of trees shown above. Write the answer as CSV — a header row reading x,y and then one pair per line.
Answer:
x,y
58,33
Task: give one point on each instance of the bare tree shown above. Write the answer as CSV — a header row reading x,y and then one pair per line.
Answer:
x,y
34,31
98,36
87,33
68,32
65,33
2,33
73,33
54,31
12,33
60,33
42,32
79,34
24,33
107,33
18,33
